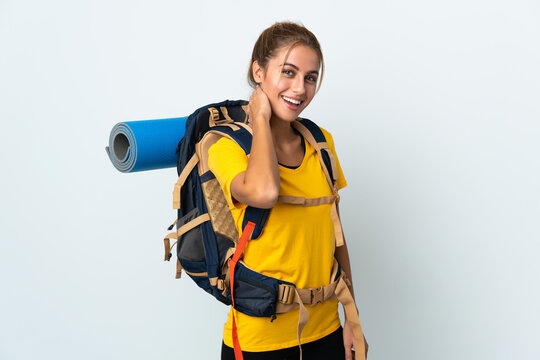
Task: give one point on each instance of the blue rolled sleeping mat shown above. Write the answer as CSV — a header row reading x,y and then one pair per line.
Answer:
x,y
145,144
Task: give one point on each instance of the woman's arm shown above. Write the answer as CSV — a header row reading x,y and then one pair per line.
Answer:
x,y
342,256
258,186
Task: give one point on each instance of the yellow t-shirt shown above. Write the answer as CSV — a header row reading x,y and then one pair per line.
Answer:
x,y
297,245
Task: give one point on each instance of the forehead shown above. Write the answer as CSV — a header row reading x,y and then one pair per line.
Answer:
x,y
302,56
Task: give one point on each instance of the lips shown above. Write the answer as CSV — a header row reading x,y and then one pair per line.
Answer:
x,y
292,103
292,100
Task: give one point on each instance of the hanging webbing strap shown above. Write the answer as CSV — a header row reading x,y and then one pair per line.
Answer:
x,y
246,235
303,317
351,314
338,230
175,235
167,244
291,298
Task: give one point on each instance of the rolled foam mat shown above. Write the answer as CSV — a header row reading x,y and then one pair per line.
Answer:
x,y
145,144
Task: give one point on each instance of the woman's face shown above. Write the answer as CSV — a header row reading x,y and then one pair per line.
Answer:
x,y
290,83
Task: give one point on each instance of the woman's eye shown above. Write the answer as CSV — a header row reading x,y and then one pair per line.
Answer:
x,y
311,78
287,72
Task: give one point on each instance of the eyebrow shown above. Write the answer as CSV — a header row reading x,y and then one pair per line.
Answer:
x,y
296,68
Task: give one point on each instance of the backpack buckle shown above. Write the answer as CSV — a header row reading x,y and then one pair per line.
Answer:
x,y
317,295
220,284
214,114
286,294
336,193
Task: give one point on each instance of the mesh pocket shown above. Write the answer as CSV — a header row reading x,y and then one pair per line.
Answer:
x,y
190,244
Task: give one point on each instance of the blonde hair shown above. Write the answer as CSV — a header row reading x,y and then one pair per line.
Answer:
x,y
278,36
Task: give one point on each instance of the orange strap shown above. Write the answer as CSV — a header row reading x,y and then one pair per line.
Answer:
x,y
246,235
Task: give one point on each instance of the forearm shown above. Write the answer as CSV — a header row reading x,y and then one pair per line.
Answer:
x,y
259,185
342,256
262,173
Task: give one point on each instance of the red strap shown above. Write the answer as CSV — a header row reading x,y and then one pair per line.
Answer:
x,y
246,235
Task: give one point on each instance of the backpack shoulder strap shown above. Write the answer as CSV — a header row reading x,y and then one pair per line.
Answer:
x,y
314,135
241,134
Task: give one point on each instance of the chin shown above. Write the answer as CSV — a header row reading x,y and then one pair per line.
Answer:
x,y
288,119
287,116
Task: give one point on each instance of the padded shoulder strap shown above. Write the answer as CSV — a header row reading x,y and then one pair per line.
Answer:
x,y
243,136
314,135
314,129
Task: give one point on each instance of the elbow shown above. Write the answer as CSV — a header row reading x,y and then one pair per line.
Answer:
x,y
262,194
266,198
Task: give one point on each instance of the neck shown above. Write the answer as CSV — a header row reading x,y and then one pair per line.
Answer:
x,y
282,131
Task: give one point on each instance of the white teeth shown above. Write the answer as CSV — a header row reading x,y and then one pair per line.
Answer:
x,y
296,102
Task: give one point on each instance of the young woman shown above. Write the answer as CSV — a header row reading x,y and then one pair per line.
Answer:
x,y
298,243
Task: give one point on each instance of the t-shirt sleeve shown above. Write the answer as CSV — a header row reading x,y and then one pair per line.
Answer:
x,y
226,160
341,182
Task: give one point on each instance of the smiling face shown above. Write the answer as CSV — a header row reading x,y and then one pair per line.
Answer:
x,y
289,81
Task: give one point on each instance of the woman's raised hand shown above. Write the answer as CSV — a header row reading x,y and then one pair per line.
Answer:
x,y
258,186
259,106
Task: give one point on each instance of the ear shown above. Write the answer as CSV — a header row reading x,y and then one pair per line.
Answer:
x,y
258,72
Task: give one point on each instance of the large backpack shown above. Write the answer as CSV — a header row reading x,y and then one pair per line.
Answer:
x,y
209,247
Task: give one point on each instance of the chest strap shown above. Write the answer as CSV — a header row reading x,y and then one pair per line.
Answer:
x,y
302,201
330,199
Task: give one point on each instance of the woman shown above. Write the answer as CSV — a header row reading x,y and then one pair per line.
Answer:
x,y
298,243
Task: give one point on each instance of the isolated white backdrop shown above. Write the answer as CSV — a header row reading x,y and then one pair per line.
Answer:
x,y
434,107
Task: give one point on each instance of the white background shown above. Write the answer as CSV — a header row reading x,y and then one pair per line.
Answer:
x,y
434,107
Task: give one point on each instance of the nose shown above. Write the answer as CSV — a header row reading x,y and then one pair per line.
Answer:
x,y
298,84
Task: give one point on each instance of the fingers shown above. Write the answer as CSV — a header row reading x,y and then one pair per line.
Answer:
x,y
366,345
349,349
259,105
350,353
256,94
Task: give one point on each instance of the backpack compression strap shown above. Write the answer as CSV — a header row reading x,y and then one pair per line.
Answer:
x,y
179,232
